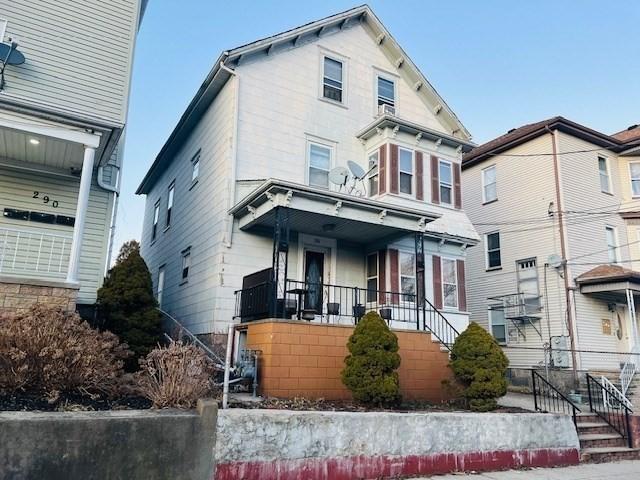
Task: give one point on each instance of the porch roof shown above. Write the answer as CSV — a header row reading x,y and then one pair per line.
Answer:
x,y
607,281
328,213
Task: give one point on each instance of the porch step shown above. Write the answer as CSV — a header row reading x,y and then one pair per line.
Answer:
x,y
601,440
588,428
608,454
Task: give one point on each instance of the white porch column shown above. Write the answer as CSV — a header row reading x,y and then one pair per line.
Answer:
x,y
81,213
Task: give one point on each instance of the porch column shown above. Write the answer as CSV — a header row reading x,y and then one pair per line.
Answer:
x,y
631,306
280,259
420,280
81,213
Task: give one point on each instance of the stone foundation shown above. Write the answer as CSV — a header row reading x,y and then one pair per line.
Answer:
x,y
17,296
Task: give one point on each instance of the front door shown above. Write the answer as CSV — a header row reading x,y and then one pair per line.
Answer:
x,y
314,277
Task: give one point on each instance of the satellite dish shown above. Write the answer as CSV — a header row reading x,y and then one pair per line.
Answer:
x,y
9,55
555,261
338,176
356,170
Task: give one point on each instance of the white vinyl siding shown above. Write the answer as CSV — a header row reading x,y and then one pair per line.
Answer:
x,y
319,165
489,190
603,170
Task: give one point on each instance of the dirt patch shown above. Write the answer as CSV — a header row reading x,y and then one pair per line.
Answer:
x,y
70,403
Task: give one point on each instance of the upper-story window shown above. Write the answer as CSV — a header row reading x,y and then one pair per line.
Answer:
x,y
170,193
156,217
319,164
186,263
489,191
373,174
492,242
605,181
612,244
407,276
160,285
406,171
634,173
332,79
449,283
195,167
446,182
386,92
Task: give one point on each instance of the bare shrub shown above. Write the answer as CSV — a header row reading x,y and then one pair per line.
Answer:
x,y
176,376
47,350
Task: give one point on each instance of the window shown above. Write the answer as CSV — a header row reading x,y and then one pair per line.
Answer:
x,y
446,182
373,174
527,273
407,276
195,167
493,250
319,165
489,192
156,217
386,92
186,263
172,188
372,277
160,285
497,323
406,171
634,173
332,80
449,283
3,29
612,244
603,168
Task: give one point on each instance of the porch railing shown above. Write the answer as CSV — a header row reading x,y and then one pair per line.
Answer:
x,y
617,416
25,252
629,369
612,396
342,305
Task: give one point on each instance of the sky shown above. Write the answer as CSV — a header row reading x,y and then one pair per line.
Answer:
x,y
497,64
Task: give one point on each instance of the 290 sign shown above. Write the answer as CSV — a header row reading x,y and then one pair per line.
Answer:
x,y
45,199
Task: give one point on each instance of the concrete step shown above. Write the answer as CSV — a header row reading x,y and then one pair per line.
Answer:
x,y
609,454
598,440
594,428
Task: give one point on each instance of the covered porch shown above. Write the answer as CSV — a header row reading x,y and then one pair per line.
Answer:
x,y
335,257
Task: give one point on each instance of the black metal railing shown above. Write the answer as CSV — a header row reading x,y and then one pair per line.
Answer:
x,y
616,414
548,399
339,304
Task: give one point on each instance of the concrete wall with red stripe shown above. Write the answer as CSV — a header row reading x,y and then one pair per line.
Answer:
x,y
282,445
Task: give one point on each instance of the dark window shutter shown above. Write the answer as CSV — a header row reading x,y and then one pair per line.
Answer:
x,y
457,188
382,169
462,291
394,169
437,282
393,275
419,176
382,275
435,180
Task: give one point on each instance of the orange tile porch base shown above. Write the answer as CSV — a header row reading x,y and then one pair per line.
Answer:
x,y
301,359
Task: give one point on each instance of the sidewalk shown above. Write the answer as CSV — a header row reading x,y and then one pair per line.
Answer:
x,y
627,470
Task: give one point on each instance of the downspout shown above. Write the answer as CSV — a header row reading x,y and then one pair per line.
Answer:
x,y
231,198
563,252
116,201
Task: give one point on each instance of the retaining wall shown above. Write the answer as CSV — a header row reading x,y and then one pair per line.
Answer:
x,y
132,445
283,445
302,359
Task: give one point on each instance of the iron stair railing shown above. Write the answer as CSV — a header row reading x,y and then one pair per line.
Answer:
x,y
613,400
616,416
548,399
629,369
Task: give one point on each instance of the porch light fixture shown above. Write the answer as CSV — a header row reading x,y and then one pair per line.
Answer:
x,y
34,141
328,227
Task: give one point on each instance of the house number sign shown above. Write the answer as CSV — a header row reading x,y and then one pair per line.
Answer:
x,y
45,199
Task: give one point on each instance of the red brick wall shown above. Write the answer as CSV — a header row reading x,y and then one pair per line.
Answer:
x,y
300,359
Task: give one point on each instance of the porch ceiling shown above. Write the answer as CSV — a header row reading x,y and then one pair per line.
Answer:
x,y
327,213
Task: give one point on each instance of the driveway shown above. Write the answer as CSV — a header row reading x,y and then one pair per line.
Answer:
x,y
626,470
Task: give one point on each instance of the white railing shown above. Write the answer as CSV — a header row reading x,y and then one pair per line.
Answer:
x,y
629,369
612,396
34,253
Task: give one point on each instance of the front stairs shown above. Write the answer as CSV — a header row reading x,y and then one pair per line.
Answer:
x,y
599,442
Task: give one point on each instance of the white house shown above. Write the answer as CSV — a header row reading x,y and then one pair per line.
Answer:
x,y
556,206
64,90
316,175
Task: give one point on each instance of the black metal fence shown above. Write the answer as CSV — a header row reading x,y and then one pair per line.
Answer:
x,y
338,304
603,402
548,399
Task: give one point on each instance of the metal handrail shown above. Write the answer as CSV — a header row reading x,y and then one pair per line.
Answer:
x,y
618,396
629,368
219,362
617,418
547,398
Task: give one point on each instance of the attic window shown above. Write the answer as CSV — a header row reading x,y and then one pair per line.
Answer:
x,y
386,92
332,80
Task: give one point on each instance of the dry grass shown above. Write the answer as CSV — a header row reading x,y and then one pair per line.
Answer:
x,y
176,376
49,351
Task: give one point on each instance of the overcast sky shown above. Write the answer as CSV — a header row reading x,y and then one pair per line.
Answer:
x,y
498,64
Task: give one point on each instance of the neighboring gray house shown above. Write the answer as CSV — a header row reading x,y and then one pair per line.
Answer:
x,y
63,105
253,209
557,206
